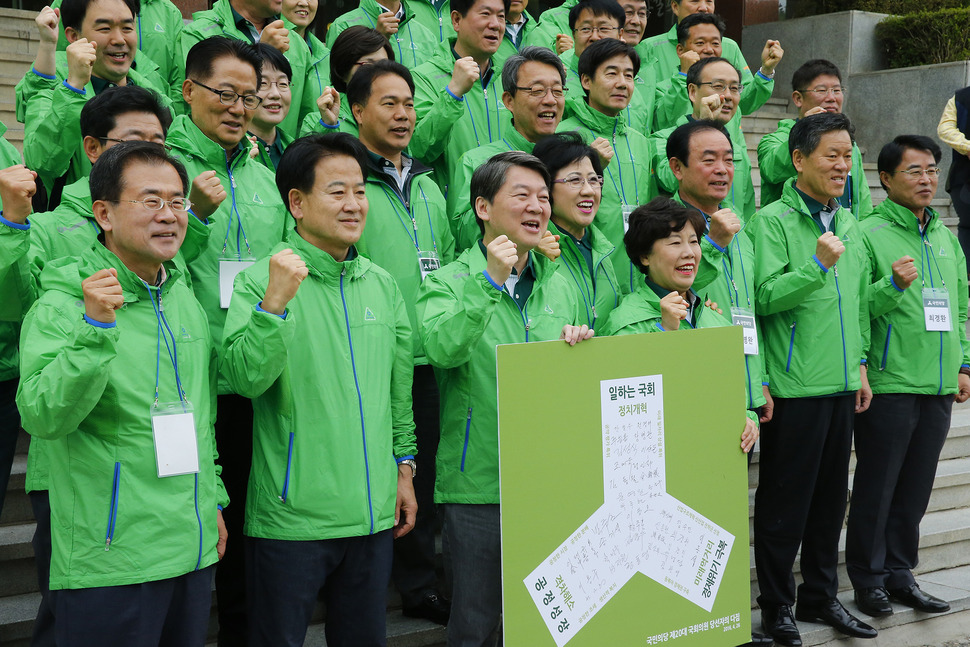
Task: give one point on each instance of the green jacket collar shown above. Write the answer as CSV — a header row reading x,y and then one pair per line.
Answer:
x,y
813,205
515,141
321,264
600,244
793,198
672,35
186,137
601,125
905,218
77,196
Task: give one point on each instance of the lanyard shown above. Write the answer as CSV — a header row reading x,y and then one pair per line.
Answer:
x,y
488,121
621,190
585,290
414,222
164,328
240,231
927,248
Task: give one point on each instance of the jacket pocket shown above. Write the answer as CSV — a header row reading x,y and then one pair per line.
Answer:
x,y
289,466
885,348
113,509
791,346
464,449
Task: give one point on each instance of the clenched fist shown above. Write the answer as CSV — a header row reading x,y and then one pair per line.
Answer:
x,y
81,55
771,56
904,272
563,43
673,310
724,225
387,24
464,75
206,194
328,104
47,21
604,150
688,58
828,249
277,35
102,295
17,187
501,257
286,272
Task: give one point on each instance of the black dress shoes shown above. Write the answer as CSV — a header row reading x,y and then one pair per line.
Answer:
x,y
832,613
873,601
912,596
780,625
760,640
431,607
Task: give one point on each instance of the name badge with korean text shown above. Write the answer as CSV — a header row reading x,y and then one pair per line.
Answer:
x,y
627,209
428,262
745,318
176,444
228,269
936,309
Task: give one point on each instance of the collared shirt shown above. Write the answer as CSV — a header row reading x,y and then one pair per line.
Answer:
x,y
822,214
486,74
390,169
100,85
518,286
584,245
247,27
274,150
514,29
400,11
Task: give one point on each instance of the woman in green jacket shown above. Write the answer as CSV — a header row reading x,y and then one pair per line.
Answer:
x,y
664,244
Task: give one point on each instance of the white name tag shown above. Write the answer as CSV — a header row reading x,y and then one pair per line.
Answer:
x,y
936,310
428,262
745,318
227,274
176,447
627,209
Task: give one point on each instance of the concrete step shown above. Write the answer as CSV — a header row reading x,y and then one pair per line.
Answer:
x,y
15,64
21,39
17,560
16,505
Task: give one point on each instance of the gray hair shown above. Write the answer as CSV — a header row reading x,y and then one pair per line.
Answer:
x,y
510,71
492,175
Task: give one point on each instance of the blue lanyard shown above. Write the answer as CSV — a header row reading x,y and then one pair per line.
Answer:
x,y
927,247
240,231
621,190
164,328
488,121
414,222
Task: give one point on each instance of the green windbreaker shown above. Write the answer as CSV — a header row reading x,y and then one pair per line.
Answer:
x,y
331,390
552,22
508,47
263,155
435,15
88,391
673,102
775,166
346,123
660,52
814,323
462,318
638,115
413,44
9,330
599,290
904,357
627,180
400,224
318,56
248,223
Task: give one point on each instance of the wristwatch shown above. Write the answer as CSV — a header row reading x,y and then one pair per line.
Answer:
x,y
412,464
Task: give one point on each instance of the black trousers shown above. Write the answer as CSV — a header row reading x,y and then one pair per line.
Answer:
x,y
413,571
9,430
40,503
898,443
804,472
960,194
234,440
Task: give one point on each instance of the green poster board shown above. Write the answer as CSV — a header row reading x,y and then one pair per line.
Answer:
x,y
624,491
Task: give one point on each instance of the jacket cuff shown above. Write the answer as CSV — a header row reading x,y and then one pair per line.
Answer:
x,y
824,269
400,460
893,282
14,225
715,245
49,77
453,95
259,308
490,281
99,324
70,87
328,126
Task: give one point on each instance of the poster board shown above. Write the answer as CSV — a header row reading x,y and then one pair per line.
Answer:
x,y
624,514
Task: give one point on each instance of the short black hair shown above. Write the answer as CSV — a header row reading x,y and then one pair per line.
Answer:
x,y
74,11
510,71
892,153
298,166
685,25
100,114
603,50
678,143
694,73
199,61
107,175
562,149
359,88
807,132
274,57
348,47
655,221
610,8
464,6
492,175
811,70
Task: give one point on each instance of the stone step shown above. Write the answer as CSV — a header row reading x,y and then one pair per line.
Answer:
x,y
16,505
17,560
15,64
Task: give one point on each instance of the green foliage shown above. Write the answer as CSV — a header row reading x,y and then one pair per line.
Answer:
x,y
926,37
802,8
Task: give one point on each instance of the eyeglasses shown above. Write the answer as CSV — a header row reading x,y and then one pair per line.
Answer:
x,y
282,85
917,173
229,98
821,91
123,141
602,31
576,182
539,91
154,203
720,86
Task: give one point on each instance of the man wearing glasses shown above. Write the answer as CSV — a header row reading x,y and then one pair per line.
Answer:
x,y
816,88
923,362
220,88
533,84
135,495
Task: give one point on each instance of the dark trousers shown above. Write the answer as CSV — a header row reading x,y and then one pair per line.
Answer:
x,y
234,440
40,503
474,552
898,443
164,613
284,578
9,430
960,194
413,571
804,473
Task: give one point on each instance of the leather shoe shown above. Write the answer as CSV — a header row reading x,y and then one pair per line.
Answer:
x,y
431,607
832,613
873,601
912,596
759,640
780,625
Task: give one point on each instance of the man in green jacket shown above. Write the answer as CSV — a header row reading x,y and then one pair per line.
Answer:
x,y
661,53
553,29
497,292
816,88
608,68
102,48
435,15
918,313
221,90
456,93
89,346
518,25
811,278
408,235
534,71
412,42
331,478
